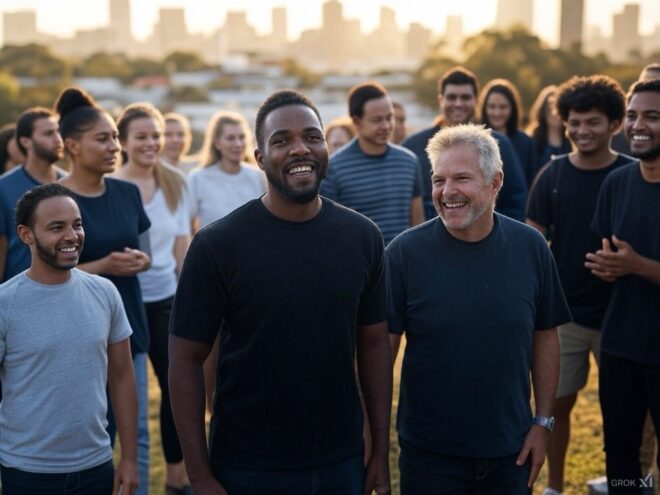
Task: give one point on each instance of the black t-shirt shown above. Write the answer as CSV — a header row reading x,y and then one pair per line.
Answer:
x,y
563,197
112,222
290,295
629,207
469,311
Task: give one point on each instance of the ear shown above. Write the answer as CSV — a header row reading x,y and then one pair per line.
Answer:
x,y
439,97
615,126
356,121
72,146
25,141
497,181
25,234
258,156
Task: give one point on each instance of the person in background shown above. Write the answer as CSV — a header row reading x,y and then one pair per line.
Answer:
x,y
38,138
546,130
400,131
163,193
115,223
10,155
178,139
501,110
63,335
339,132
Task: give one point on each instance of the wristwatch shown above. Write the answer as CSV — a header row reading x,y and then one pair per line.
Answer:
x,y
547,422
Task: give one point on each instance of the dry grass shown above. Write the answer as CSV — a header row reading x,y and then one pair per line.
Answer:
x,y
585,459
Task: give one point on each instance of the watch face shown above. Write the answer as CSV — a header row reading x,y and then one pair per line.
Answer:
x,y
546,422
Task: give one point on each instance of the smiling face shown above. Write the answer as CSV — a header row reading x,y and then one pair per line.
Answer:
x,y
56,237
457,103
144,141
177,140
590,131
461,195
498,111
294,155
642,125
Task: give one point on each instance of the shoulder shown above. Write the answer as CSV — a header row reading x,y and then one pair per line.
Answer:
x,y
420,137
518,232
401,153
348,218
241,218
251,171
120,186
9,288
624,173
348,152
14,176
410,239
92,281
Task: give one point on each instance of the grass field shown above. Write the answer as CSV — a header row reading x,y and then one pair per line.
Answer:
x,y
585,459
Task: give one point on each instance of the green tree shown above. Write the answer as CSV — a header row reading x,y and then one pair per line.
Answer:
x,y
106,65
32,61
9,93
184,62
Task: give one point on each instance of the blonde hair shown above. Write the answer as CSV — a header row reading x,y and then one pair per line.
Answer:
x,y
170,180
209,153
183,121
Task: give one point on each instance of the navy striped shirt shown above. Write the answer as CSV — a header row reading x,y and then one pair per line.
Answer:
x,y
381,187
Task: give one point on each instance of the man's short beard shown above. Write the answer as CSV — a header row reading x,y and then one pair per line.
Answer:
x,y
649,155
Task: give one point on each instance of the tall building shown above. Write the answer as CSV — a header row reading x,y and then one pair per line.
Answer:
x,y
418,40
515,12
625,33
454,35
280,27
121,38
20,27
571,24
171,32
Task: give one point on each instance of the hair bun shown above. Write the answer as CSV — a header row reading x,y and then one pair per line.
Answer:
x,y
71,99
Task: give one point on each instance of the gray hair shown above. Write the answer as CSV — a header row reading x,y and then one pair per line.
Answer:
x,y
477,136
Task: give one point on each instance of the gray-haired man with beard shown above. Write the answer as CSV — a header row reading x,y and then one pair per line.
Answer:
x,y
297,284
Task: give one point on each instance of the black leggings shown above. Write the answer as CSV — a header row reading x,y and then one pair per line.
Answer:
x,y
627,391
158,317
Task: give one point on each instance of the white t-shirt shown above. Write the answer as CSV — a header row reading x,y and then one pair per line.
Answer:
x,y
214,193
159,282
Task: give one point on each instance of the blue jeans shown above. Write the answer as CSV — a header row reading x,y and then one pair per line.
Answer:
x,y
346,477
93,481
428,473
140,367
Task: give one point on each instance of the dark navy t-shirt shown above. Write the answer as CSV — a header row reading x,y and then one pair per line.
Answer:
x,y
526,152
469,312
290,295
113,221
629,207
563,197
13,185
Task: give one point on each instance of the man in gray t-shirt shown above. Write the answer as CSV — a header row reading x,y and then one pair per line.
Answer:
x,y
63,335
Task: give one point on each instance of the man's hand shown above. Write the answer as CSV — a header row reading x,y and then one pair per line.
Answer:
x,y
126,477
208,486
377,476
535,444
609,265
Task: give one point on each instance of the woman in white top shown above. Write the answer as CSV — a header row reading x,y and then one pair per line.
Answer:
x,y
178,139
224,180
163,192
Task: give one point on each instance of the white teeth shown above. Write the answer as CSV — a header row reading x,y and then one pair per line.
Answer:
x,y
454,205
300,169
68,250
637,137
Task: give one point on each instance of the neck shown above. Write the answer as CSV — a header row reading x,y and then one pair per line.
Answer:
x,y
478,231
650,170
172,160
84,182
47,275
288,210
593,161
371,148
41,170
555,137
133,171
229,166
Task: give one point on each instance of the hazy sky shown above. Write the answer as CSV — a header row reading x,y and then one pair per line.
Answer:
x,y
65,16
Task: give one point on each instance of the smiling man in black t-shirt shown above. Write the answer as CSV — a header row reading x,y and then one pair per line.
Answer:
x,y
562,200
297,284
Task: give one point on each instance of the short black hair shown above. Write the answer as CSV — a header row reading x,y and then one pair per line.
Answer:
x,y
25,124
27,204
458,75
597,92
282,98
642,87
359,95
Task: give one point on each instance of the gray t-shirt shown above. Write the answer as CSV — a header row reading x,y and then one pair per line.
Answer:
x,y
53,367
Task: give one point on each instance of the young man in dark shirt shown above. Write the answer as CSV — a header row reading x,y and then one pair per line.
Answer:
x,y
563,199
626,221
297,284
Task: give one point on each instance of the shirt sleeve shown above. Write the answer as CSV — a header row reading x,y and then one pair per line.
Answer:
x,y
143,220
551,306
201,296
120,328
396,290
417,187
511,200
539,203
373,298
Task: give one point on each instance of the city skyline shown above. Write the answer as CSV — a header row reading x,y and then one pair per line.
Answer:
x,y
56,17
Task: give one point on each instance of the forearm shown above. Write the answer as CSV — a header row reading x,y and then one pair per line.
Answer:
x,y
374,358
545,370
416,211
123,396
186,382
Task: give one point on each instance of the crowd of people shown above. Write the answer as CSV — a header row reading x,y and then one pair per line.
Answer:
x,y
269,279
